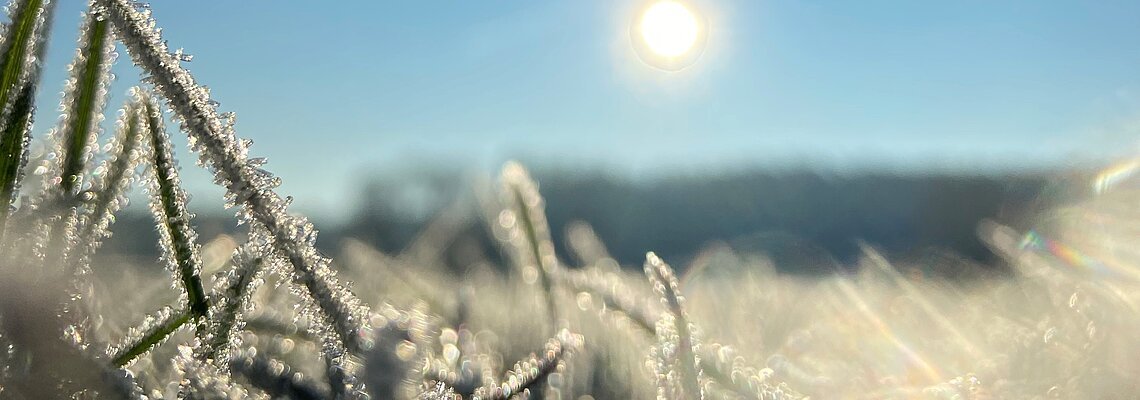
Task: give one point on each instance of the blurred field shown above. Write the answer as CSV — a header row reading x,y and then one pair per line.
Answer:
x,y
952,306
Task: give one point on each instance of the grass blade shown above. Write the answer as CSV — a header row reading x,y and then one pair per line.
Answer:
x,y
14,150
84,96
678,373
232,292
114,181
21,49
531,236
529,373
154,329
246,183
179,241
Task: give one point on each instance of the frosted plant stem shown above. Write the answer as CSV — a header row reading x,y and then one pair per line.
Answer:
x,y
236,289
526,203
614,294
529,373
14,151
245,183
168,204
674,329
84,96
144,338
22,47
115,180
75,138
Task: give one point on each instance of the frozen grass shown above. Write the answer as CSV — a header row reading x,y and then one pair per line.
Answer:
x,y
275,321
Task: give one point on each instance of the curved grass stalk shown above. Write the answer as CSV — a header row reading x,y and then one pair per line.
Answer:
x,y
179,241
529,373
528,221
245,182
615,296
236,288
678,374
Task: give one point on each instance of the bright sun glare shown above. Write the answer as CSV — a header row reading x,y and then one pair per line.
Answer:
x,y
669,29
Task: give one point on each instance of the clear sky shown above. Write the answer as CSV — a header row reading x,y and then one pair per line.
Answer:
x,y
330,91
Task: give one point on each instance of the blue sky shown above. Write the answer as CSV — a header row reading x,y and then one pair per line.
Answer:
x,y
363,86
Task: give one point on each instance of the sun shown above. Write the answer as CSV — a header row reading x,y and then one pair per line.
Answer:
x,y
668,34
669,29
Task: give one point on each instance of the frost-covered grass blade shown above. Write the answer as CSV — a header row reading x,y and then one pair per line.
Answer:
x,y
154,330
246,183
84,96
117,174
678,373
179,241
14,150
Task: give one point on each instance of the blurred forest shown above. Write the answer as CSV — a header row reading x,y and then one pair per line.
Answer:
x,y
807,222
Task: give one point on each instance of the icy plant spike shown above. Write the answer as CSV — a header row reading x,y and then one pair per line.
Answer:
x,y
83,99
237,286
14,150
22,44
179,241
246,183
154,330
665,284
526,203
528,373
115,179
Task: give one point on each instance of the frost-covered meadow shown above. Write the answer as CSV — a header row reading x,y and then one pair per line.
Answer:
x,y
263,314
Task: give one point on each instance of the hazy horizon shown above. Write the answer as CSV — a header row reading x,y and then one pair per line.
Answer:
x,y
971,87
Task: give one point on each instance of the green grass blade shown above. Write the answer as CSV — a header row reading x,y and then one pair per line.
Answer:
x,y
153,331
21,48
168,204
14,150
247,185
84,97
